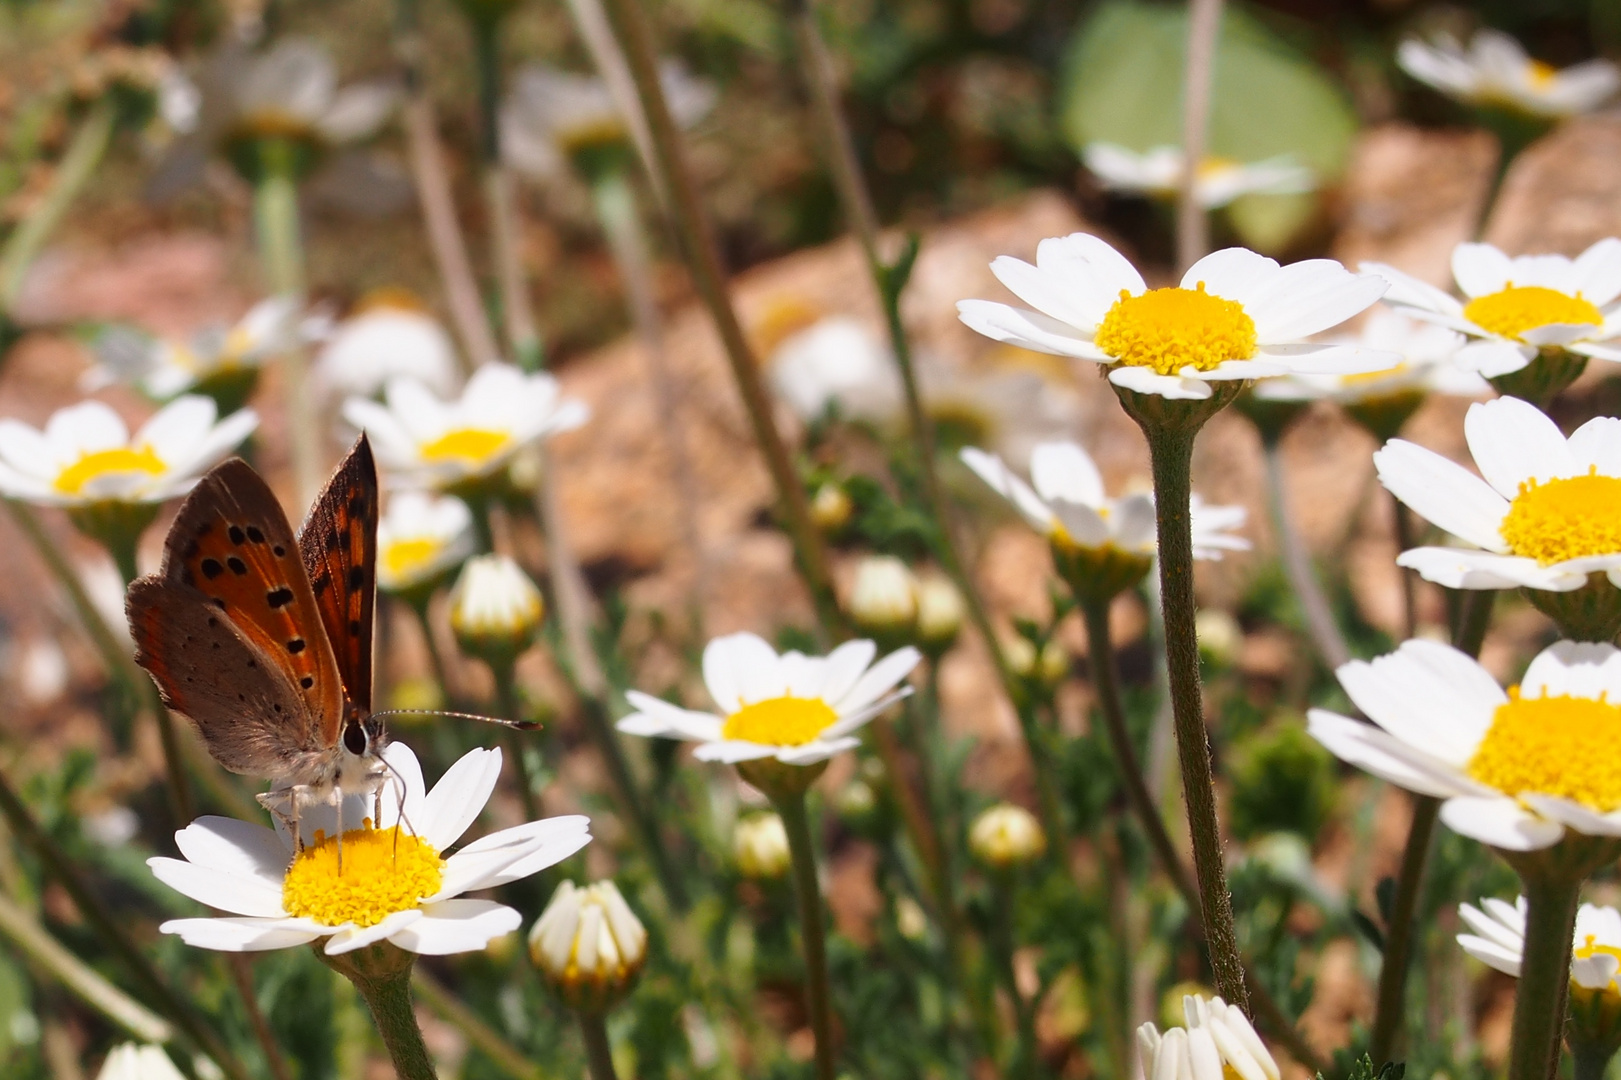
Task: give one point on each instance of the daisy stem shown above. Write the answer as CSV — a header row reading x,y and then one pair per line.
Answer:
x,y
436,658
598,1052
1024,1064
84,153
1551,900
1297,566
703,258
388,996
1192,222
796,819
1171,451
1391,1001
511,707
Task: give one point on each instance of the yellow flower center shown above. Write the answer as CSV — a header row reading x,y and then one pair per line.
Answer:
x,y
1565,519
402,558
1363,378
1592,948
780,721
384,871
1169,329
93,466
471,445
1541,74
1565,746
1518,308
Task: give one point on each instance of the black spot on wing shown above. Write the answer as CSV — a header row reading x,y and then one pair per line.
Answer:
x,y
278,598
306,682
357,577
280,551
255,534
296,646
237,535
238,567
212,569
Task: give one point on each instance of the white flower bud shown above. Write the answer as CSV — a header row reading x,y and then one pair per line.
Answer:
x,y
831,508
1217,1042
127,1061
1006,836
760,846
883,601
940,611
495,609
589,945
1046,670
1220,636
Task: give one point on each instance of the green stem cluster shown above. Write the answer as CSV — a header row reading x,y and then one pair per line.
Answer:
x,y
796,820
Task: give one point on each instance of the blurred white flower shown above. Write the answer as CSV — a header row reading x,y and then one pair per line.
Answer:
x,y
386,341
1495,70
760,847
1158,173
396,883
836,362
800,710
423,441
883,599
1006,835
494,606
1427,366
165,369
940,610
291,89
40,669
130,1061
420,538
1217,1044
86,455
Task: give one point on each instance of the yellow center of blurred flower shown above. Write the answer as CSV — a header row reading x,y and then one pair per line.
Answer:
x,y
384,871
402,558
1541,74
780,721
1169,329
1564,746
93,466
1518,308
1565,519
1592,948
1359,379
471,445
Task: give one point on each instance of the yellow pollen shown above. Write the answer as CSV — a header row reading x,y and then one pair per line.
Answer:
x,y
1169,329
1564,746
384,871
1591,948
1541,74
472,445
404,557
1565,519
93,466
1518,308
780,721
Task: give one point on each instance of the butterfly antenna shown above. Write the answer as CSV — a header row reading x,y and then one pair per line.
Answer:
x,y
520,725
400,805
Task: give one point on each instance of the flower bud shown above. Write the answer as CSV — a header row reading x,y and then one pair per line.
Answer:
x,y
883,601
760,845
127,1061
1046,670
589,946
1006,836
939,612
495,609
1220,636
830,508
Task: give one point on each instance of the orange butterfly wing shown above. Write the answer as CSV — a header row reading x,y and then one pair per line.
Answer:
x,y
231,543
338,542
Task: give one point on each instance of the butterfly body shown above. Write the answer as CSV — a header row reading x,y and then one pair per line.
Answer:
x,y
264,640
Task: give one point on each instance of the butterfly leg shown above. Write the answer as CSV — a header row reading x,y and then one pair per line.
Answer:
x,y
283,806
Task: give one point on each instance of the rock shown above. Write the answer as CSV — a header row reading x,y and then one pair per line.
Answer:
x,y
1562,193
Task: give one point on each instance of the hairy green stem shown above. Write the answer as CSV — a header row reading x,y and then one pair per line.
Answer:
x,y
1544,983
388,996
1297,566
599,1054
84,153
796,819
703,258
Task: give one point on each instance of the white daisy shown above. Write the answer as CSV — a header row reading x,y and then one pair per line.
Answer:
x,y
1547,514
1217,1043
395,883
1235,315
1498,942
1516,306
165,368
386,341
1515,769
1158,173
86,455
292,90
1495,70
425,441
554,116
1069,506
797,709
421,538
837,362
1426,366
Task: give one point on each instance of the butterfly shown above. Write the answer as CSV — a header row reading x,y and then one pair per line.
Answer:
x,y
264,640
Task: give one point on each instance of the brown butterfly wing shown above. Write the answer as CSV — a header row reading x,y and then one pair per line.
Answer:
x,y
231,543
251,715
338,542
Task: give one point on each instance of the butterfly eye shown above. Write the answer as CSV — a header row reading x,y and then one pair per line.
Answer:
x,y
354,739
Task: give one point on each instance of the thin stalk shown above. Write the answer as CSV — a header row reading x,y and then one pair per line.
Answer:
x,y
1320,622
485,1039
800,845
78,164
437,200
1409,583
436,656
1171,451
511,708
627,239
506,233
609,59
241,969
1002,943
196,1027
1544,982
598,1053
1048,805
1192,223
703,257
389,999
51,956
281,255
1390,1006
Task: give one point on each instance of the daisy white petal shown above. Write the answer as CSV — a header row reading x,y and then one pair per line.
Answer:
x,y
457,799
1443,492
238,893
1027,329
358,937
229,934
457,926
1500,823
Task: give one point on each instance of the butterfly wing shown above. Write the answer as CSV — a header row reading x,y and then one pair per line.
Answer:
x,y
338,542
250,714
232,547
